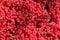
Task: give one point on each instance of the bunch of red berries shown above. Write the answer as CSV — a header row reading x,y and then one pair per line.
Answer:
x,y
29,19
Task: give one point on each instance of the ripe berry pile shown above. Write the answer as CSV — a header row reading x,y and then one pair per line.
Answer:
x,y
29,19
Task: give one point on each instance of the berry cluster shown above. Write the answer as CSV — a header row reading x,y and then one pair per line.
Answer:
x,y
29,19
